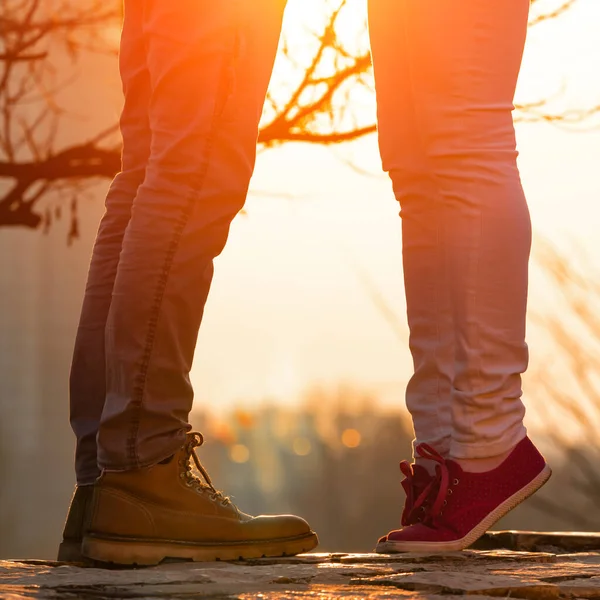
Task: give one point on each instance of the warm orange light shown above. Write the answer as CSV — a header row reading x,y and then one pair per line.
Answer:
x,y
244,418
223,433
351,438
239,453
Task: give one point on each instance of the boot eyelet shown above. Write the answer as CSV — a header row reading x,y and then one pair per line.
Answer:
x,y
445,502
456,482
449,492
422,509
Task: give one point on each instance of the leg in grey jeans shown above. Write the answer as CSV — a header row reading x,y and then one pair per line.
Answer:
x,y
195,75
445,73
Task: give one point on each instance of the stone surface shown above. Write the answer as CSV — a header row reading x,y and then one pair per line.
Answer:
x,y
491,573
539,541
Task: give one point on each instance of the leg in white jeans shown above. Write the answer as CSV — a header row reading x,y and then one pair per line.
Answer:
x,y
445,73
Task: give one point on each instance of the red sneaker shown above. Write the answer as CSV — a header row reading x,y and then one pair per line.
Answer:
x,y
462,506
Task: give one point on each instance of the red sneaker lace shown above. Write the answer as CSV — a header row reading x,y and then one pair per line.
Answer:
x,y
406,469
431,500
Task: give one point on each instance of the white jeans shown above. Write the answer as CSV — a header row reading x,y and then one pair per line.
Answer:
x,y
445,73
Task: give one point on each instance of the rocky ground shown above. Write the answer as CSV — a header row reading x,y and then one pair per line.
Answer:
x,y
507,564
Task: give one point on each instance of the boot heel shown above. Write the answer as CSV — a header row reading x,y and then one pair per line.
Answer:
x,y
70,551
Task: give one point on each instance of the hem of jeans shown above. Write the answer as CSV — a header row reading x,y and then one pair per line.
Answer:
x,y
442,446
115,467
87,478
81,484
488,450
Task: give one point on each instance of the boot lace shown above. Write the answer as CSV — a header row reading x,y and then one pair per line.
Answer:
x,y
194,440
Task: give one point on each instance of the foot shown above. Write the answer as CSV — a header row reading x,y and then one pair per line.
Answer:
x,y
77,522
463,505
143,516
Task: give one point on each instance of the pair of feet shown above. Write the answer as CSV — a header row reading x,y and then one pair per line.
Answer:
x,y
167,511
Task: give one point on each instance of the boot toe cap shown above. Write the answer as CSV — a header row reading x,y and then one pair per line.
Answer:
x,y
280,526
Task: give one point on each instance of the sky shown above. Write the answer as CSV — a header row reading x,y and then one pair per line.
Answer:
x,y
289,307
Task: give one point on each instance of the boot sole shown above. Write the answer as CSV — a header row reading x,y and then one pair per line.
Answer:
x,y
153,552
533,486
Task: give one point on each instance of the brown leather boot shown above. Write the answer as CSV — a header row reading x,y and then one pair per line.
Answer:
x,y
143,516
77,522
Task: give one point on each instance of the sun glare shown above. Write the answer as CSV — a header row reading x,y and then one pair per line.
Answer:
x,y
306,20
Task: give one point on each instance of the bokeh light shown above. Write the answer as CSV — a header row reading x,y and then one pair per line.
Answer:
x,y
302,446
239,453
351,438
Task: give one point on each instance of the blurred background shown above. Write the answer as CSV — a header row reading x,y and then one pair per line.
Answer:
x,y
302,359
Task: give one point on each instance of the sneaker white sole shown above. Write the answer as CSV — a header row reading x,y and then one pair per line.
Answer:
x,y
152,552
392,547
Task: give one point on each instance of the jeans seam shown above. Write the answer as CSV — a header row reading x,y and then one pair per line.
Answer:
x,y
432,175
142,374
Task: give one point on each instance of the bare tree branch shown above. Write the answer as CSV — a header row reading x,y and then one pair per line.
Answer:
x,y
318,110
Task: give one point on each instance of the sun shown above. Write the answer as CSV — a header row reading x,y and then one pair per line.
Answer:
x,y
305,20
306,24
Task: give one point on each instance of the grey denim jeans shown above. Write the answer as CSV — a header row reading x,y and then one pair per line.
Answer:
x,y
195,74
